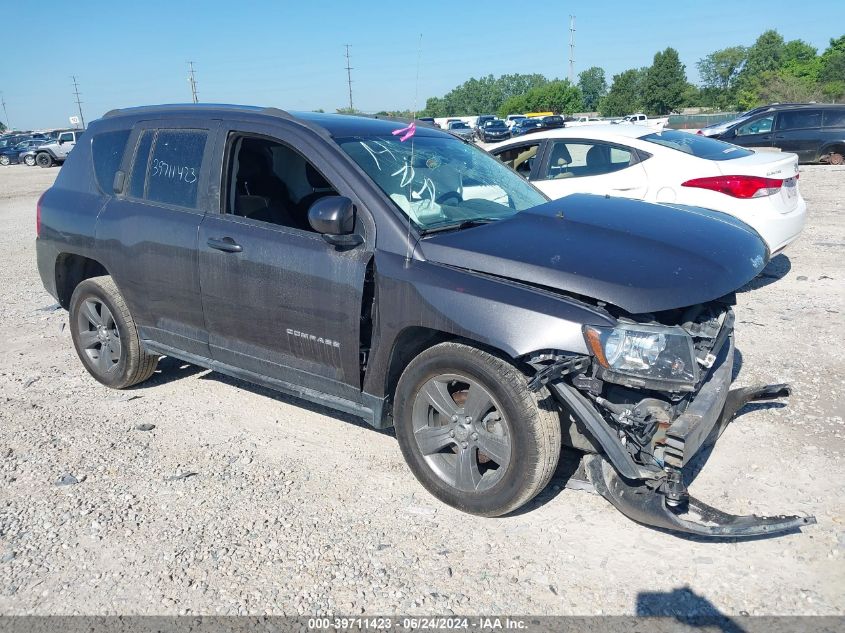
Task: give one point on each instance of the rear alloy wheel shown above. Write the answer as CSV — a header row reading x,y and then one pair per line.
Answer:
x,y
471,431
105,335
29,160
4,160
836,158
43,159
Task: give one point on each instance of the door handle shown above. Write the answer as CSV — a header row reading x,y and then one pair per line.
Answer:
x,y
768,137
780,136
225,244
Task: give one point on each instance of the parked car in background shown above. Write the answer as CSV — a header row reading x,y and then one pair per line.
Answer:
x,y
11,155
57,151
641,119
816,133
428,120
482,119
553,121
582,120
459,128
668,166
420,285
492,131
526,125
718,128
10,140
514,118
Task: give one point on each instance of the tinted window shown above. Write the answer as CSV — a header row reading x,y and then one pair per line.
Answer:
x,y
696,145
107,150
834,118
799,119
139,166
175,167
757,126
569,159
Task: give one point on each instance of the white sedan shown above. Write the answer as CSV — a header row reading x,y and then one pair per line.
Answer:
x,y
759,188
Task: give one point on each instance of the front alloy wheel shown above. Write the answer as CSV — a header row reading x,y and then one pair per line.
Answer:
x,y
472,432
4,160
29,160
461,432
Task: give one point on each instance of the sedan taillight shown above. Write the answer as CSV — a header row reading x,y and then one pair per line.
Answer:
x,y
738,186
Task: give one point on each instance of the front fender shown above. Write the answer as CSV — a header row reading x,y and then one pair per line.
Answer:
x,y
512,317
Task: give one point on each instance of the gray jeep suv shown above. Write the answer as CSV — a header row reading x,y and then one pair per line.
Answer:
x,y
405,276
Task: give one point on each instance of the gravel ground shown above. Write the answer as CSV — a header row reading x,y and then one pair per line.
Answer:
x,y
196,493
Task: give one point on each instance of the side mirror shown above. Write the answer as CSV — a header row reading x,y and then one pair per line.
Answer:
x,y
334,218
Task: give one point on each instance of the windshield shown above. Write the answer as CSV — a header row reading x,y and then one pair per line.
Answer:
x,y
700,146
441,181
497,123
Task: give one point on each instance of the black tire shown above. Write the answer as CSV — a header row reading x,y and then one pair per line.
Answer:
x,y
531,420
112,354
4,160
29,160
43,159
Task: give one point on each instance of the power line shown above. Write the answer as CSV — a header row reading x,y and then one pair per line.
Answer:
x,y
193,81
78,102
349,78
572,49
5,114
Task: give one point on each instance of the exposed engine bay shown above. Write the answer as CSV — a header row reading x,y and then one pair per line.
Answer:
x,y
654,392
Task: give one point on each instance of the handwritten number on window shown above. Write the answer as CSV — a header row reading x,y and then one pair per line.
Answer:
x,y
179,173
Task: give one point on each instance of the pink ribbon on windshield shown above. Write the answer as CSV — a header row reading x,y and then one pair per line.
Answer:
x,y
406,132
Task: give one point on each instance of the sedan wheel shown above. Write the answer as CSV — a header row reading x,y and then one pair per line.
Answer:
x,y
29,160
4,160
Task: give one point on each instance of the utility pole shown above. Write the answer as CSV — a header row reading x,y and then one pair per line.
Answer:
x,y
349,79
572,49
193,81
5,114
78,102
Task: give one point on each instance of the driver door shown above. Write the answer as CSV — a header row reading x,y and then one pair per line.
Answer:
x,y
278,300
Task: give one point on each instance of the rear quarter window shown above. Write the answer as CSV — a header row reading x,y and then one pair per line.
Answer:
x,y
174,167
834,118
696,145
107,151
799,119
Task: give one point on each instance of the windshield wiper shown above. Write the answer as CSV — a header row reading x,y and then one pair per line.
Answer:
x,y
458,226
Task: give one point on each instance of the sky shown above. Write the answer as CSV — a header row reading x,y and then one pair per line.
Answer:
x,y
291,54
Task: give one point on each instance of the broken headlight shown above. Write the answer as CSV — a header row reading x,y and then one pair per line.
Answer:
x,y
654,356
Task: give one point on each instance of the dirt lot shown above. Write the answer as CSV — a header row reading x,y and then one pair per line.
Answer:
x,y
296,509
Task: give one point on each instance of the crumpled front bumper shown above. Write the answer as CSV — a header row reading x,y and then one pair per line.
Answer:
x,y
660,499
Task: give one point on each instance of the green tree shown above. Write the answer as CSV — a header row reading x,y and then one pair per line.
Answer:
x,y
481,96
555,96
624,96
665,83
593,87
832,65
721,68
765,55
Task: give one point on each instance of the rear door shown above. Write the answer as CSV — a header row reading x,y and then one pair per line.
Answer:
x,y
589,166
799,132
279,301
148,231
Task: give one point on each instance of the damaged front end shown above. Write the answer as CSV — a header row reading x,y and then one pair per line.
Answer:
x,y
653,394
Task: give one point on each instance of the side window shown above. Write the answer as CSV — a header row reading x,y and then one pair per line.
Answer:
x,y
107,150
174,167
520,158
834,118
64,138
139,165
269,181
757,126
575,159
799,119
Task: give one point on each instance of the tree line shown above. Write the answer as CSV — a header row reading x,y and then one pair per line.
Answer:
x,y
734,78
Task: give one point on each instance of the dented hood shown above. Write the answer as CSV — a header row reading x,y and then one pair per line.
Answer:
x,y
639,256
